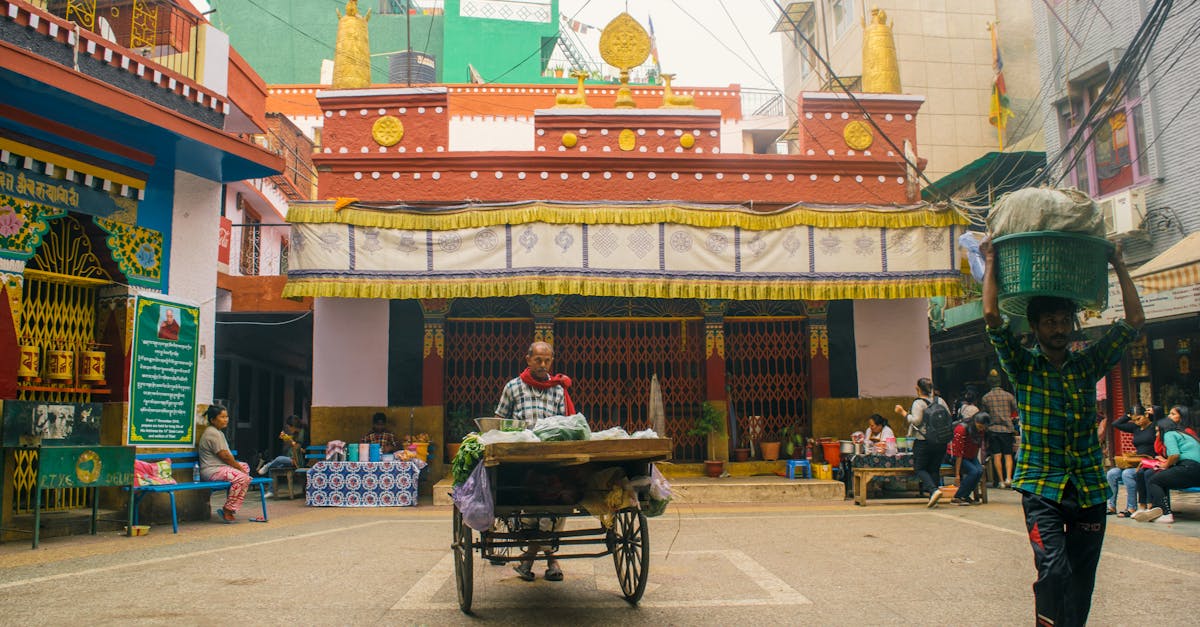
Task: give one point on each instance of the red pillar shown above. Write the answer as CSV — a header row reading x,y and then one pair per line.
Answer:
x,y
818,349
8,346
714,349
433,352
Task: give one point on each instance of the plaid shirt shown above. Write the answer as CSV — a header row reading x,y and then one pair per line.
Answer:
x,y
521,401
1057,410
1000,406
384,440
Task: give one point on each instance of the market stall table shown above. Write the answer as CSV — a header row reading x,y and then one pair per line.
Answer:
x,y
363,484
863,468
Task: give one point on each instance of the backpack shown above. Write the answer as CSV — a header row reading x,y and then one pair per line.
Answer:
x,y
939,426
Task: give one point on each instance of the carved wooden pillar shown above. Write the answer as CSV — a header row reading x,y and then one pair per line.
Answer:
x,y
818,347
433,351
114,327
11,290
714,349
544,309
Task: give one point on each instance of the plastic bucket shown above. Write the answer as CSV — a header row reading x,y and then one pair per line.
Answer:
x,y
833,452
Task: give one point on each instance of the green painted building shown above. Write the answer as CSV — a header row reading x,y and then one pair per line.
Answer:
x,y
505,41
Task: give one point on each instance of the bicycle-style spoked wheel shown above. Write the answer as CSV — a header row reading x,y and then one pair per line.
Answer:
x,y
463,562
630,542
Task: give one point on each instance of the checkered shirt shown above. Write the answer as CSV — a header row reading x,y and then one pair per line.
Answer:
x,y
1057,409
521,401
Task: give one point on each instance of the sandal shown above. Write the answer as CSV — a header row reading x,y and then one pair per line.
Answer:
x,y
525,571
1110,511
1125,514
554,573
225,516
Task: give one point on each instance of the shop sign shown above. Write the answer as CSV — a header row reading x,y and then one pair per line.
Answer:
x,y
85,466
224,235
162,381
57,193
1157,305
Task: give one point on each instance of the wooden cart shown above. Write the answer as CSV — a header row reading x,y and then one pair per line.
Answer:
x,y
519,509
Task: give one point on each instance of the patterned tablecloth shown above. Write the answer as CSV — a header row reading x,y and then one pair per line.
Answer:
x,y
363,484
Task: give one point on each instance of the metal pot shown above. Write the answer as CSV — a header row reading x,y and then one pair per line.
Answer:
x,y
847,447
860,448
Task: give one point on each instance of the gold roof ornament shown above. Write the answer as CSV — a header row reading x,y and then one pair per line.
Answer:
x,y
577,100
881,69
352,54
624,44
671,100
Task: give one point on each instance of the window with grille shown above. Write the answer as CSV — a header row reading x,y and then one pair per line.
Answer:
x,y
842,12
1115,157
251,241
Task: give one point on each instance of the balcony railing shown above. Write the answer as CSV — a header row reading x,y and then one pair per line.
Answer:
x,y
159,30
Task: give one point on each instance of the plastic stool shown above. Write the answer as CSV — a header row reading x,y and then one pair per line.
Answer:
x,y
792,464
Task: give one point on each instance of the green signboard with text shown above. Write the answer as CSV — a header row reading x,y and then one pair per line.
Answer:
x,y
85,466
162,381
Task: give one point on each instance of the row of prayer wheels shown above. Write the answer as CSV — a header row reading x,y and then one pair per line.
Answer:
x,y
61,365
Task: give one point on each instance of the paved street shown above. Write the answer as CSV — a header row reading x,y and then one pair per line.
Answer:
x,y
894,562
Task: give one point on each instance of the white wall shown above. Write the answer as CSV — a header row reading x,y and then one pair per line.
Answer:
x,y
193,275
350,352
487,132
891,339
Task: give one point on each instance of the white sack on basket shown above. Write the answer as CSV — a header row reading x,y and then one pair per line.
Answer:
x,y
1044,209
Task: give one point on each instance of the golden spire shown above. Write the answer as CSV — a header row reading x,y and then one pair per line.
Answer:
x,y
624,44
352,54
881,69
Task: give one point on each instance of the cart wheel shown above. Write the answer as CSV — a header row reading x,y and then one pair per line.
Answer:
x,y
630,543
463,562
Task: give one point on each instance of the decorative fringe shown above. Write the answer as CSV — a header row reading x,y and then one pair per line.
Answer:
x,y
671,213
344,287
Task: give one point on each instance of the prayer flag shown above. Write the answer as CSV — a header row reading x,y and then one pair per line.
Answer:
x,y
653,46
1000,110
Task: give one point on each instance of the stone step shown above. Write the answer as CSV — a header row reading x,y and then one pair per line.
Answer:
x,y
734,489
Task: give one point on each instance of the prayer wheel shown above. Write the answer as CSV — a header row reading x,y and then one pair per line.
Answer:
x,y
91,367
60,366
29,362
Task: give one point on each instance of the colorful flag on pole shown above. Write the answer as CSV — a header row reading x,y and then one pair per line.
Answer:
x,y
654,46
1000,110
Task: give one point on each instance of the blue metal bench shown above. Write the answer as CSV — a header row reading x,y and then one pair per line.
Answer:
x,y
312,455
187,461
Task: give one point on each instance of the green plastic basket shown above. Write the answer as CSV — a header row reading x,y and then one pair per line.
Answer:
x,y
1051,263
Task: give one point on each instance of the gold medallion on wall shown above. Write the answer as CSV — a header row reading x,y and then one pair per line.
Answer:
x,y
858,135
627,140
387,131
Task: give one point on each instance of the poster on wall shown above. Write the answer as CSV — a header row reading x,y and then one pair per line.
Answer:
x,y
50,423
162,373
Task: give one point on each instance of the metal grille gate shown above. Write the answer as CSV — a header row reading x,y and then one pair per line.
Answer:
x,y
482,354
612,360
767,365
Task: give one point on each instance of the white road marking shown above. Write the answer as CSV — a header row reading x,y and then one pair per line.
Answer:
x,y
1104,552
421,595
159,560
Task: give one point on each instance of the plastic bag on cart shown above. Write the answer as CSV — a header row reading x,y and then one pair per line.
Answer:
x,y
474,500
644,434
657,491
615,433
562,428
496,436
606,493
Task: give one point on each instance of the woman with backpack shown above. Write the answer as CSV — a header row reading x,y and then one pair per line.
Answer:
x,y
930,428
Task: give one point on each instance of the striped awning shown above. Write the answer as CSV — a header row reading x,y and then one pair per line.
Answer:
x,y
1178,266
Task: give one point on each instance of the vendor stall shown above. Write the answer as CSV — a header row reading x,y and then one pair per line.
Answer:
x,y
363,484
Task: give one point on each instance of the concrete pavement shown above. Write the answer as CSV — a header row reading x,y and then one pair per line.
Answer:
x,y
894,562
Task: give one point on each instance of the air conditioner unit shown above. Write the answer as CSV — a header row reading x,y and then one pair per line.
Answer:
x,y
1123,212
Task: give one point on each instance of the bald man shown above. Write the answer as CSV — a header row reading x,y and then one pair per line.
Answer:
x,y
536,393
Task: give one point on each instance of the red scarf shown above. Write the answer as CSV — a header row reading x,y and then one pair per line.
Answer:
x,y
558,379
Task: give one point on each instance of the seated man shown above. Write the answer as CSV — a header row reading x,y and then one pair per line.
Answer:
x,y
532,395
380,435
291,454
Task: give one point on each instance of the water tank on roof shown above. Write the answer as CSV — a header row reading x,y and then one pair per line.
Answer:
x,y
412,67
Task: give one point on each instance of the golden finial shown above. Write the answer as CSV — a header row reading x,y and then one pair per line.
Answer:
x,y
352,54
624,44
881,69
673,101
576,100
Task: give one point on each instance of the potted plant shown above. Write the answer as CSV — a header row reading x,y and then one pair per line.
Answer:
x,y
710,423
558,71
792,441
770,446
458,425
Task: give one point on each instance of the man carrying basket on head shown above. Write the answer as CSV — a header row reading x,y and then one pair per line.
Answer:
x,y
1059,468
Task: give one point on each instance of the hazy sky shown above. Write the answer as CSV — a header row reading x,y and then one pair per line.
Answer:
x,y
701,41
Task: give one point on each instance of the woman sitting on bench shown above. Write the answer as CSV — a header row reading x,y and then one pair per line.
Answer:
x,y
218,464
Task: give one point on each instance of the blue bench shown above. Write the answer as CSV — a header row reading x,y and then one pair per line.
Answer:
x,y
187,461
312,455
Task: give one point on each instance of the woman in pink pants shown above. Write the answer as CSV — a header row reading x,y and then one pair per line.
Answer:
x,y
218,464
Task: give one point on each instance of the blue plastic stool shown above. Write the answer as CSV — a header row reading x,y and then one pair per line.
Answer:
x,y
792,464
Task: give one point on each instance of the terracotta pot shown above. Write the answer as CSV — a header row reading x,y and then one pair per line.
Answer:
x,y
713,468
770,450
452,450
741,454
